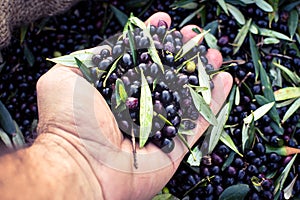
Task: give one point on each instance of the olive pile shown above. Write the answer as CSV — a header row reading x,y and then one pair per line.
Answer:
x,y
172,103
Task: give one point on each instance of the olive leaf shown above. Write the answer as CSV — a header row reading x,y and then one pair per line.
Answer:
x,y
265,6
204,81
186,4
198,154
18,138
271,40
255,55
238,191
113,67
5,139
122,17
247,134
272,33
189,45
228,161
236,13
29,55
281,179
226,139
292,109
292,75
85,71
162,197
291,6
288,191
287,93
231,97
69,60
211,41
223,6
237,96
121,94
146,111
258,113
6,121
128,29
23,32
202,107
216,131
191,16
186,144
239,39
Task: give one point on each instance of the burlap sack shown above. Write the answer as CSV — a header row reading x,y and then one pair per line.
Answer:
x,y
16,12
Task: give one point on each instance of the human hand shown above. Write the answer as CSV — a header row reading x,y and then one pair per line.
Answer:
x,y
75,115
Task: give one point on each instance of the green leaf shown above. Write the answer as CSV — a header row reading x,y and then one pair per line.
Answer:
x,y
18,138
122,17
5,139
189,45
198,154
186,4
113,67
131,42
293,22
281,179
69,60
248,1
265,81
236,13
212,26
223,6
255,55
292,109
85,71
238,191
191,16
271,40
287,93
226,139
279,150
211,41
203,108
265,6
232,97
6,121
146,111
292,75
237,96
272,33
23,32
239,39
29,56
121,94
136,3
162,197
228,161
245,134
259,112
288,191
291,6
204,81
216,131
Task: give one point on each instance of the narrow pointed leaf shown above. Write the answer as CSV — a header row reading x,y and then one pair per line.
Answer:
x,y
265,81
238,191
291,6
226,139
191,16
69,60
264,5
18,138
216,131
203,108
132,45
292,109
223,6
84,70
288,191
236,13
113,67
198,154
121,94
245,135
146,111
6,121
271,40
29,55
258,113
238,41
122,17
255,55
162,197
228,161
237,96
5,139
292,75
272,33
211,41
204,81
287,93
231,97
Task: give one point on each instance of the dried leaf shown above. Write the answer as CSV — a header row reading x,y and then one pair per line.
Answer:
x,y
6,121
288,191
292,109
146,111
203,108
198,154
69,60
236,13
216,131
226,139
265,6
287,93
255,56
223,6
238,191
122,17
204,81
239,39
259,112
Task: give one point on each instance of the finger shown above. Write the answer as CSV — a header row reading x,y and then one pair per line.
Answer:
x,y
155,18
188,33
214,58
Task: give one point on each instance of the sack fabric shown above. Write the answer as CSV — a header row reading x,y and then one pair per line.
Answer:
x,y
13,13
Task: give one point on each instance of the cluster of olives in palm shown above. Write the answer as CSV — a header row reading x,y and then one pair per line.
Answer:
x,y
172,103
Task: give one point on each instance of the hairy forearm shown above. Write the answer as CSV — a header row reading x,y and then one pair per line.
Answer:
x,y
49,169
